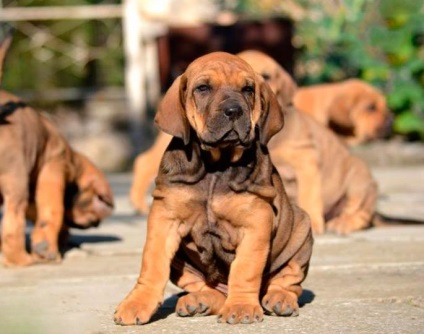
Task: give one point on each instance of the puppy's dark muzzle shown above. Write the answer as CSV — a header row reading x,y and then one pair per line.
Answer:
x,y
233,111
228,126
385,129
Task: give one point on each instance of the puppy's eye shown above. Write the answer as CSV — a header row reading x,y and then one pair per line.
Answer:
x,y
248,89
266,76
203,88
371,107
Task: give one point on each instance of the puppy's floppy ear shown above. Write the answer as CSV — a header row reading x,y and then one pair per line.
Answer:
x,y
286,88
272,116
103,190
103,203
92,177
171,117
344,101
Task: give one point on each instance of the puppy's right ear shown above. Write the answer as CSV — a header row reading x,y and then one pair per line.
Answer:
x,y
170,116
286,88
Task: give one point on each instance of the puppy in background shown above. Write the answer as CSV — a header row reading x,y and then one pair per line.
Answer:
x,y
43,179
353,109
334,187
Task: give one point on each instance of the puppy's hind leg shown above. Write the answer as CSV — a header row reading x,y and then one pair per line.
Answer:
x,y
359,205
13,222
283,288
202,299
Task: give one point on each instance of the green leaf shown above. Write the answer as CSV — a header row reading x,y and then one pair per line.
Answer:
x,y
408,122
399,11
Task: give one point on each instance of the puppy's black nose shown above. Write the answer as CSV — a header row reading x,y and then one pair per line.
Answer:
x,y
233,111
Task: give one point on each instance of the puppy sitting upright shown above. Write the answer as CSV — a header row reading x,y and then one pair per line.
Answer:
x,y
42,178
334,187
221,226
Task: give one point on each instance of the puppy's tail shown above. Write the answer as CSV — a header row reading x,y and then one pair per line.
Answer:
x,y
10,107
381,220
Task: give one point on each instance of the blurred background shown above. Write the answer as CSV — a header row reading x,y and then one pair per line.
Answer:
x,y
99,67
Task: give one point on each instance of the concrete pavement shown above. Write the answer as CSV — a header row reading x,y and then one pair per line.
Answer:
x,y
369,282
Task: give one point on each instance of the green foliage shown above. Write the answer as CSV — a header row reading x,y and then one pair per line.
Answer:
x,y
66,53
381,42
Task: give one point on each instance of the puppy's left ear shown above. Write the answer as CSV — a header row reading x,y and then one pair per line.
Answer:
x,y
170,116
92,177
103,191
272,116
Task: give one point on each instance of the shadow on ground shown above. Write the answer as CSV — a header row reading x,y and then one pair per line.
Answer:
x,y
169,304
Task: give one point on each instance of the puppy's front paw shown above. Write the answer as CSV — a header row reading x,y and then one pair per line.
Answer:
x,y
138,201
201,303
281,303
21,260
43,252
136,309
317,225
44,246
240,313
347,224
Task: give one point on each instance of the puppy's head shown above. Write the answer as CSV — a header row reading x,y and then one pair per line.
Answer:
x,y
89,199
221,100
278,79
364,108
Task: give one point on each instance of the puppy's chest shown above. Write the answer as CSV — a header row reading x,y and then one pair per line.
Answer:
x,y
214,232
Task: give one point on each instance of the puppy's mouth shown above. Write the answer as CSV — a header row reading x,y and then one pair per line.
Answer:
x,y
230,139
230,142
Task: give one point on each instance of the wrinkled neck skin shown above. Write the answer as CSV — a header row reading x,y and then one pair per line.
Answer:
x,y
187,165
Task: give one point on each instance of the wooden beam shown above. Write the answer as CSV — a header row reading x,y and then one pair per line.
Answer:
x,y
11,14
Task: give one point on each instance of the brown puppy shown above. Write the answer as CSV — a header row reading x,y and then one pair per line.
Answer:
x,y
221,226
42,178
353,109
319,172
317,169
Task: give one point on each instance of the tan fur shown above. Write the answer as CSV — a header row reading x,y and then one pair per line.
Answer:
x,y
221,226
318,171
355,110
42,178
334,187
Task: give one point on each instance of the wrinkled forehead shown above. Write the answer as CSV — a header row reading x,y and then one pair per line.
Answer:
x,y
261,63
218,72
264,66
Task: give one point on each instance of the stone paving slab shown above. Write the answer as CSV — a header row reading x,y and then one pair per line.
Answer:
x,y
369,282
401,191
